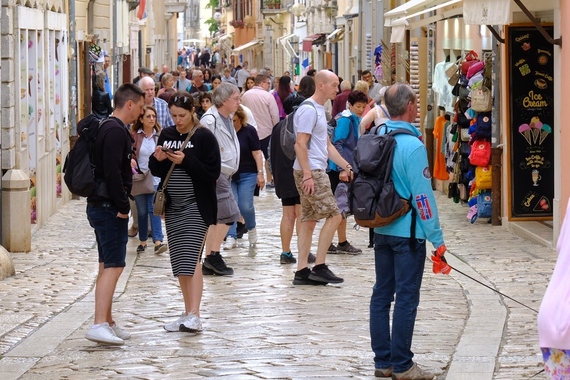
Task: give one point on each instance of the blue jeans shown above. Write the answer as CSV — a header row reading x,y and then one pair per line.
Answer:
x,y
243,190
145,208
399,270
111,233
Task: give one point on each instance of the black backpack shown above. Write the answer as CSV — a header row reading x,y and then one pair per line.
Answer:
x,y
372,198
288,136
79,171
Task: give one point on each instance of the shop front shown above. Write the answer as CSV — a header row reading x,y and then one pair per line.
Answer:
x,y
492,105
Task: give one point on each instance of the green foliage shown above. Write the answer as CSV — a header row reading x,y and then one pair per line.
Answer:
x,y
215,4
213,25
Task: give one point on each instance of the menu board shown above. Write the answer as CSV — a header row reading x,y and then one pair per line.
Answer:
x,y
531,108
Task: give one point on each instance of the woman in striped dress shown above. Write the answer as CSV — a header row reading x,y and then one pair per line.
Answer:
x,y
191,200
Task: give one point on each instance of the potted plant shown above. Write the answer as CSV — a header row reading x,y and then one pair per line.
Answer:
x,y
238,24
270,4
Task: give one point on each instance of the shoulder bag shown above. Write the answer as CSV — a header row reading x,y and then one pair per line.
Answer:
x,y
143,183
159,202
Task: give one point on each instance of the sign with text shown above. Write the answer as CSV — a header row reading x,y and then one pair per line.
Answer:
x,y
531,92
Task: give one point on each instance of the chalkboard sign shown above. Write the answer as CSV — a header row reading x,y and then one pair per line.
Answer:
x,y
531,93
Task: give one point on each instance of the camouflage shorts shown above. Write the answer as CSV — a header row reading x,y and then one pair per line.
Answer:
x,y
322,203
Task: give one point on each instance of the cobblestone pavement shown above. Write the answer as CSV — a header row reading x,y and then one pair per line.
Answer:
x,y
257,325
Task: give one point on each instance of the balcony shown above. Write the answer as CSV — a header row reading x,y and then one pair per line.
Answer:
x,y
174,6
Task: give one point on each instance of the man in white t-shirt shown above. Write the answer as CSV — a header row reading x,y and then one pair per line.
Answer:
x,y
313,148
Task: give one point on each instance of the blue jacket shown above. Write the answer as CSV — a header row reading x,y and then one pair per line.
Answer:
x,y
345,137
412,179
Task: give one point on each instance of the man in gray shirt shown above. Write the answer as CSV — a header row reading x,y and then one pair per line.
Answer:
x,y
242,75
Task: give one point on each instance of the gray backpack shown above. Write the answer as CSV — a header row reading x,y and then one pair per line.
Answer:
x,y
288,136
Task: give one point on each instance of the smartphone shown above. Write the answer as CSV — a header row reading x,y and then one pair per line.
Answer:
x,y
167,150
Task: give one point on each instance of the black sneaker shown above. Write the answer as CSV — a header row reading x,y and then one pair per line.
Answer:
x,y
207,271
312,258
141,248
240,230
322,273
287,258
348,249
215,262
302,278
332,249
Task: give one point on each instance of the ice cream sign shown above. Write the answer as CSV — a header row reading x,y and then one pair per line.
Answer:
x,y
534,100
535,132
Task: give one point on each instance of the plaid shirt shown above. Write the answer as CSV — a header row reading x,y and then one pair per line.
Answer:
x,y
163,113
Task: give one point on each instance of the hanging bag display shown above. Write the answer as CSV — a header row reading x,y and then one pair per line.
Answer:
x,y
159,202
483,177
480,153
470,58
481,99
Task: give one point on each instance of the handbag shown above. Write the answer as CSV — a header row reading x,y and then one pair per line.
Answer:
x,y
159,202
452,73
143,183
481,100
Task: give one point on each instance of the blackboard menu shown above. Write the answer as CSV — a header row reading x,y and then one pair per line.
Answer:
x,y
531,95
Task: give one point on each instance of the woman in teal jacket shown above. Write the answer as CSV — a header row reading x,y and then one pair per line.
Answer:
x,y
344,139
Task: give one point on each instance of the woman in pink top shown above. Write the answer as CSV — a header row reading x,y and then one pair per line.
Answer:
x,y
554,314
282,92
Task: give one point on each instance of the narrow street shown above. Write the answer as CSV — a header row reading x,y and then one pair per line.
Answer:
x,y
257,325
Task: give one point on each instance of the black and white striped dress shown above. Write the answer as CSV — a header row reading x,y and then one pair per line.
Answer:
x,y
185,227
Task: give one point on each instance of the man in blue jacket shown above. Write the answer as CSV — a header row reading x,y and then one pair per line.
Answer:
x,y
400,258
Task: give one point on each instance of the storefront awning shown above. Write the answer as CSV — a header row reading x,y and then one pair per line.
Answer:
x,y
336,35
285,41
399,18
249,45
315,39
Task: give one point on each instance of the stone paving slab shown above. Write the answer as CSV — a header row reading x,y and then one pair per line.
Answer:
x,y
258,325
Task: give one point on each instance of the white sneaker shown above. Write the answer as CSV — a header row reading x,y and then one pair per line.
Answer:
x,y
230,243
192,324
119,332
175,326
252,237
104,334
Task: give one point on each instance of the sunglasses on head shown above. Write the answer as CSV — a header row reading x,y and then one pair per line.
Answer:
x,y
182,99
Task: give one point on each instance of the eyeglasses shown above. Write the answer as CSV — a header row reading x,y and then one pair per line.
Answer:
x,y
183,99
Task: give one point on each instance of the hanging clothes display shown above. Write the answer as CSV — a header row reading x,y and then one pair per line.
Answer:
x,y
440,164
442,87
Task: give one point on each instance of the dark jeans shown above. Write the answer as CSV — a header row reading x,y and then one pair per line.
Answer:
x,y
399,270
111,233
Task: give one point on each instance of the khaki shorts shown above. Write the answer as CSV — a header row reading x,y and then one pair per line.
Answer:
x,y
322,203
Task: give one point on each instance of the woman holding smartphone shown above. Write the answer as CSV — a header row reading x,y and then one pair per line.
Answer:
x,y
191,205
145,135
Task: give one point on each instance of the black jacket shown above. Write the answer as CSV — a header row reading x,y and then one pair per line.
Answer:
x,y
281,167
202,162
101,104
112,160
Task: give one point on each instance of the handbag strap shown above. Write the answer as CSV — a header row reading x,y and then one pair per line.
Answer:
x,y
190,134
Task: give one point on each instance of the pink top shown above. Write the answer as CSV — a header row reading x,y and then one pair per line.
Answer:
x,y
554,314
264,108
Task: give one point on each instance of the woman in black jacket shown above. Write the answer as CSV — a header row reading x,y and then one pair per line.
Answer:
x,y
101,101
192,204
305,91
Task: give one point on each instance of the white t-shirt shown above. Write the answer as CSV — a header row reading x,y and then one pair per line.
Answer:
x,y
306,120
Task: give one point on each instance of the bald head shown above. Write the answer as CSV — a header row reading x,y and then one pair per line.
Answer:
x,y
326,86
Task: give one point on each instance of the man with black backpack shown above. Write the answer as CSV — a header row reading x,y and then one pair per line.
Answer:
x,y
108,208
399,256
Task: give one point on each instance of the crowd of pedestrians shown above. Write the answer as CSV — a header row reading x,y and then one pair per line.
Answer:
x,y
210,137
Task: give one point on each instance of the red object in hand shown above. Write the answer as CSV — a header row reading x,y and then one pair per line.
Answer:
x,y
439,263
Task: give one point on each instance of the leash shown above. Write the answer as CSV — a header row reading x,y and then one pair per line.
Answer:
x,y
487,286
495,290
